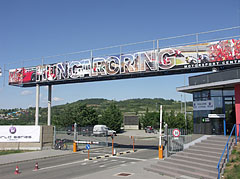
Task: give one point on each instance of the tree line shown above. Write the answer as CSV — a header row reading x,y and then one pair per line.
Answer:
x,y
111,116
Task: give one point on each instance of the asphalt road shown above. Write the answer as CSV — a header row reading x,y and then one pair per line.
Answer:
x,y
75,165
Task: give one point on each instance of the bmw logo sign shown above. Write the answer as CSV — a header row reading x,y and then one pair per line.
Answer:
x,y
12,130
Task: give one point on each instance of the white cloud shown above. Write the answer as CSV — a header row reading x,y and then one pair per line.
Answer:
x,y
57,99
26,93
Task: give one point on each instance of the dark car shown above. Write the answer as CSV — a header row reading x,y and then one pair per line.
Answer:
x,y
149,129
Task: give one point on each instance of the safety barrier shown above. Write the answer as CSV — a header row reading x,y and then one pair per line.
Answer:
x,y
226,147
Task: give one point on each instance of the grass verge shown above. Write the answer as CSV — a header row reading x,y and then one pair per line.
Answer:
x,y
232,170
6,152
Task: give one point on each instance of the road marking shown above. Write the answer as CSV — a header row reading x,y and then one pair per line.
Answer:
x,y
133,162
55,166
102,166
105,159
113,160
130,158
123,165
95,161
84,163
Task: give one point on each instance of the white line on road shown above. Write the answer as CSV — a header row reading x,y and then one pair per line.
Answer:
x,y
123,165
102,166
130,158
55,166
95,161
83,163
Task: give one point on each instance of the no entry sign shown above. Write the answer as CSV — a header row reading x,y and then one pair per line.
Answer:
x,y
176,133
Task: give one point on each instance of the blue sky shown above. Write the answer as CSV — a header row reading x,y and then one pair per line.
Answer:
x,y
32,29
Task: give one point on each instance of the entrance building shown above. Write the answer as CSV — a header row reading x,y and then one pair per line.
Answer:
x,y
216,100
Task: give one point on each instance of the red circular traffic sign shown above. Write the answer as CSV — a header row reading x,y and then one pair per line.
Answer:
x,y
176,132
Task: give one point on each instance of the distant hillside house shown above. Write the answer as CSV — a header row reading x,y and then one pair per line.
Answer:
x,y
131,122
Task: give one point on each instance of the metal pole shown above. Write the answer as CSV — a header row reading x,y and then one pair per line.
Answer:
x,y
106,138
157,57
197,45
238,132
112,146
91,63
120,70
37,104
160,147
54,136
185,104
166,141
75,132
49,103
181,103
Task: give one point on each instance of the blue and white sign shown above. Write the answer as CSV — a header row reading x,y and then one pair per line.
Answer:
x,y
203,105
87,146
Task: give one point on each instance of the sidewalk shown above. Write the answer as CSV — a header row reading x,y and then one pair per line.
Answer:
x,y
12,158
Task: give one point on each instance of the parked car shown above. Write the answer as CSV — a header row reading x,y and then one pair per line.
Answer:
x,y
149,129
102,130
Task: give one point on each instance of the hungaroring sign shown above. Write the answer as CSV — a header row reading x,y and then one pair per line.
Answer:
x,y
185,59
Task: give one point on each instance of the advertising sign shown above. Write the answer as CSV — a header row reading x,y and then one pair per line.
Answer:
x,y
19,133
203,105
145,63
216,116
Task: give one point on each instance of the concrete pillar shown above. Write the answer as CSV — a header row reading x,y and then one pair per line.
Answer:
x,y
37,104
237,106
49,104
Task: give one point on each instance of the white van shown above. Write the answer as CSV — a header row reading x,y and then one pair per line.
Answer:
x,y
102,130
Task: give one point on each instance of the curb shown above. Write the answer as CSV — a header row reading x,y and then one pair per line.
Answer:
x,y
107,156
40,158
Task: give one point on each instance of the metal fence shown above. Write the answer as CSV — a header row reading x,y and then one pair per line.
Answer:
x,y
83,135
176,144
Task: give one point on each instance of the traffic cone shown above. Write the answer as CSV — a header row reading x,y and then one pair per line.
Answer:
x,y
16,171
36,166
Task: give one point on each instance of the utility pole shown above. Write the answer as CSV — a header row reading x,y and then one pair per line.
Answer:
x,y
185,104
181,103
160,147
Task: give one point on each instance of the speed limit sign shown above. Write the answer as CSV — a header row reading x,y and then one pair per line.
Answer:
x,y
176,132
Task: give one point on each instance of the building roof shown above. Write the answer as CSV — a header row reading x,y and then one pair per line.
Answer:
x,y
216,80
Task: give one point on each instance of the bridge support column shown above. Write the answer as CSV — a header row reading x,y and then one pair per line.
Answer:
x,y
49,104
237,106
37,104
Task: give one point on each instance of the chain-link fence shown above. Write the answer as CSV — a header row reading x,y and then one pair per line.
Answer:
x,y
175,142
83,136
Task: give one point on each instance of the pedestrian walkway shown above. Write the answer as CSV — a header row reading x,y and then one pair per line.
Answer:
x,y
12,158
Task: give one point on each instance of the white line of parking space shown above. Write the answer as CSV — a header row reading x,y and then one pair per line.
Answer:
x,y
129,158
61,165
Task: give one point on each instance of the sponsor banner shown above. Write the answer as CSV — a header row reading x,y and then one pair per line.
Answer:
x,y
19,133
167,60
203,105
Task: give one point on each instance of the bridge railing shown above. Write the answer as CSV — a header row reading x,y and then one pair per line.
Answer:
x,y
157,44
